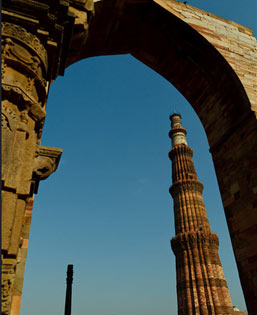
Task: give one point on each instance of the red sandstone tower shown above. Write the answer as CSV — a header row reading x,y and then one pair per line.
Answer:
x,y
201,285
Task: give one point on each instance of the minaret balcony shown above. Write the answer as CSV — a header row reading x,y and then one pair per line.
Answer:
x,y
186,185
192,239
180,149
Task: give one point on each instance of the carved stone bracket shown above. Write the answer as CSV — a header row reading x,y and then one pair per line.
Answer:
x,y
45,163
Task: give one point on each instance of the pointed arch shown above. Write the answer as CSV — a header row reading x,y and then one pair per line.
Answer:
x,y
166,38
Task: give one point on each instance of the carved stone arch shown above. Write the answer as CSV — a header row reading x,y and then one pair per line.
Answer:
x,y
206,62
175,50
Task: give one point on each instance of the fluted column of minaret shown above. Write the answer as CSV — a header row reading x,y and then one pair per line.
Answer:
x,y
201,285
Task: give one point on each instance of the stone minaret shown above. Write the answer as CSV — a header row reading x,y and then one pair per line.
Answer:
x,y
201,285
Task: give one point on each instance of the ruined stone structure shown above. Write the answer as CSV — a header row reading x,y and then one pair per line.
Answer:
x,y
211,61
35,40
201,285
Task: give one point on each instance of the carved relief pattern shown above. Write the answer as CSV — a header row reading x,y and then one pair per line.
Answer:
x,y
36,110
181,149
17,52
9,118
30,40
30,84
23,123
9,121
6,293
7,282
194,239
5,122
22,78
190,185
3,69
25,68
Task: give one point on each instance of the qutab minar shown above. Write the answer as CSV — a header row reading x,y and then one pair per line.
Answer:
x,y
201,285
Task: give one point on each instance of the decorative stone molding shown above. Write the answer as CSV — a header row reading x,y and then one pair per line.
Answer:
x,y
177,129
180,149
8,276
62,27
186,185
35,110
20,34
49,29
9,118
193,240
23,81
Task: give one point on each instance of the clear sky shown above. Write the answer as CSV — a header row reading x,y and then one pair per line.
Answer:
x,y
107,208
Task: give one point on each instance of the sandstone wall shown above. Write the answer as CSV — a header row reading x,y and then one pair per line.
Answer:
x,y
235,42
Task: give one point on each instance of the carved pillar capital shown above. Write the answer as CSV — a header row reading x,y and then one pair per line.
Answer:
x,y
55,25
24,66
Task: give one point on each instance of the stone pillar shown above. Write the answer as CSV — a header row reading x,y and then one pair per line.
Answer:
x,y
36,39
24,91
21,257
45,164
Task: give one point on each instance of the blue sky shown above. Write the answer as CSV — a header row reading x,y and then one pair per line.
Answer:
x,y
107,209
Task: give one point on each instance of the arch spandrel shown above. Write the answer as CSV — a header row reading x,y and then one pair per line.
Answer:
x,y
213,63
192,59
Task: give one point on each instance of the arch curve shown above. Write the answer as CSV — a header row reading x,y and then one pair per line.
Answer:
x,y
176,51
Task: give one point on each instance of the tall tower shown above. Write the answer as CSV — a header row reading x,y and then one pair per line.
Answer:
x,y
201,285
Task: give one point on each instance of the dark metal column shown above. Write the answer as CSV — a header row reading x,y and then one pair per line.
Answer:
x,y
69,280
